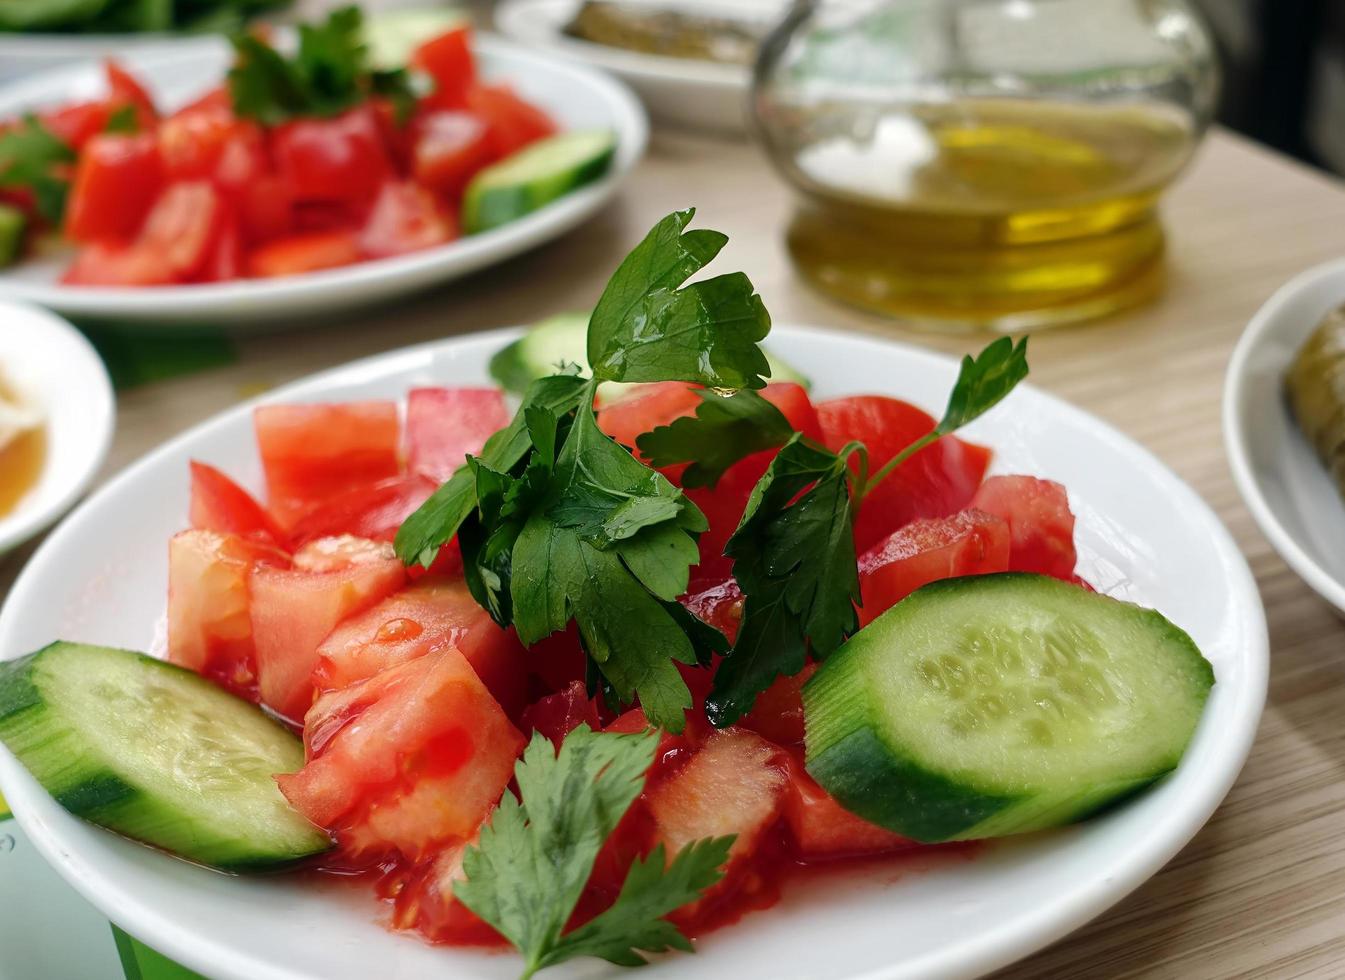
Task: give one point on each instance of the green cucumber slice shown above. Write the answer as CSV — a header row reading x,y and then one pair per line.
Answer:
x,y
534,177
1001,704
12,225
156,753
564,338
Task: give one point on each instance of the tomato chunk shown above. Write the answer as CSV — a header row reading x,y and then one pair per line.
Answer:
x,y
310,453
406,762
821,828
405,218
447,149
556,715
444,425
294,610
78,122
182,227
426,903
219,504
1041,526
211,144
291,255
777,714
512,122
209,603
937,481
111,264
124,89
116,181
432,614
338,159
645,409
448,60
969,543
374,511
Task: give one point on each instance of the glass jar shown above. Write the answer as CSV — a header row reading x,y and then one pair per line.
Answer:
x,y
983,163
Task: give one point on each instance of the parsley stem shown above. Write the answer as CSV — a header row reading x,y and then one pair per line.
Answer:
x,y
927,439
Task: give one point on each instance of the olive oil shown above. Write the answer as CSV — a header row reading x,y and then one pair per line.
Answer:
x,y
987,213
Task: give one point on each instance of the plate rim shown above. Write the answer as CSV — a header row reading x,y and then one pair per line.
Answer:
x,y
1265,322
995,948
385,280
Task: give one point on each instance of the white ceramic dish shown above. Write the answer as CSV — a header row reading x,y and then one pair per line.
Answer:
x,y
55,369
1281,480
576,96
26,54
1144,535
680,91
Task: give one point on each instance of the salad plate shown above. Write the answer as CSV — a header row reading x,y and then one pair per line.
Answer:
x,y
1285,486
576,97
1143,536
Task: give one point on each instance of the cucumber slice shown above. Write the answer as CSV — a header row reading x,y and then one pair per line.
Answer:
x,y
12,225
534,177
564,338
393,36
156,753
1000,704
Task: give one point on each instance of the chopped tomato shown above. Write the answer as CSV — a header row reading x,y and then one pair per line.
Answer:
x,y
405,218
338,159
777,714
558,659
111,264
734,784
448,60
211,144
513,122
212,99
225,261
556,715
821,828
340,552
429,615
78,122
645,409
407,762
116,181
444,425
720,605
182,227
448,148
425,902
293,611
219,504
971,542
311,453
374,510
935,482
209,602
1041,526
310,252
124,89
265,213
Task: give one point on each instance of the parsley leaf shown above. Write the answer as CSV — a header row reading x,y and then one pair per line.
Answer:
x,y
983,382
645,328
123,120
794,557
32,156
529,866
328,74
722,432
436,521
610,545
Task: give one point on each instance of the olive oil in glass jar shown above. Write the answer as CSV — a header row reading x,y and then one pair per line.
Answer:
x,y
982,164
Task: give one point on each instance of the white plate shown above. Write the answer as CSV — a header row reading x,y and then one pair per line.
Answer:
x,y
681,91
1284,484
575,96
59,372
1143,535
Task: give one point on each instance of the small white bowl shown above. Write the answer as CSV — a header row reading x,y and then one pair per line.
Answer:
x,y
1284,484
58,371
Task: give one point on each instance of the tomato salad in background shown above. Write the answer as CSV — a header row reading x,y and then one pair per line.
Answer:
x,y
295,163
591,677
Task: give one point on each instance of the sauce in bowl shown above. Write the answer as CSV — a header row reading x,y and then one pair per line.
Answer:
x,y
21,457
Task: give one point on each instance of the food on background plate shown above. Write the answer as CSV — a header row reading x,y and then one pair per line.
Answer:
x,y
294,164
602,687
1315,385
129,16
667,32
22,445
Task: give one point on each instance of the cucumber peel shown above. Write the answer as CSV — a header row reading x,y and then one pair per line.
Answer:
x,y
535,176
156,753
1001,704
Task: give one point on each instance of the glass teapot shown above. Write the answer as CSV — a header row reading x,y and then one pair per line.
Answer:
x,y
982,163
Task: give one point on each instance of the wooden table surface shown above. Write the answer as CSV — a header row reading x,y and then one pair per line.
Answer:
x,y
1260,892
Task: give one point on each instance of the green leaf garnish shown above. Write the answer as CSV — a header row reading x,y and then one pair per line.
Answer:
x,y
328,74
794,558
983,382
123,120
645,328
722,432
32,156
529,867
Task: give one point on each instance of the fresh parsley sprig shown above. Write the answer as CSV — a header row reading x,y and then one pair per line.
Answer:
x,y
529,867
722,432
328,74
794,550
34,157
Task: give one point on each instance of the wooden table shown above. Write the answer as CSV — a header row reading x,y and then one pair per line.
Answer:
x,y
1261,891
